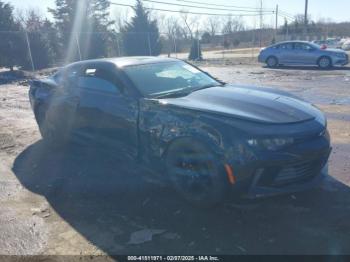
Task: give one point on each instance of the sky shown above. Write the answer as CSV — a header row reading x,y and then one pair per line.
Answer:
x,y
336,10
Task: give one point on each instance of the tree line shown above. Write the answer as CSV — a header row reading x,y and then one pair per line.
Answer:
x,y
85,29
81,29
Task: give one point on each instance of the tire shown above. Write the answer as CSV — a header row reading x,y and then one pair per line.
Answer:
x,y
272,62
195,173
51,135
324,62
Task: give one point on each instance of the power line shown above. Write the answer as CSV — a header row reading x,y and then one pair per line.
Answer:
x,y
202,7
286,17
281,14
234,6
187,12
287,14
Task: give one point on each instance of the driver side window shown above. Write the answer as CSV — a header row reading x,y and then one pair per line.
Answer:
x,y
98,79
68,76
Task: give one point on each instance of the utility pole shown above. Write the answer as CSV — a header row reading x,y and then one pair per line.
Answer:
x,y
29,51
305,17
276,26
261,23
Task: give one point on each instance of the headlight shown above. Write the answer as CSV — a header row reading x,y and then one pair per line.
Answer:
x,y
270,144
341,55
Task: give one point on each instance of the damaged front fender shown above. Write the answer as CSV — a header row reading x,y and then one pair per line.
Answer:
x,y
160,125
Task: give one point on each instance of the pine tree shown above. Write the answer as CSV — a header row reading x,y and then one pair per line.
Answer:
x,y
41,42
51,36
93,35
12,44
64,18
141,35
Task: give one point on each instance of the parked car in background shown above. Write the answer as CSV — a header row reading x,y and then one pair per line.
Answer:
x,y
346,45
302,53
206,137
329,43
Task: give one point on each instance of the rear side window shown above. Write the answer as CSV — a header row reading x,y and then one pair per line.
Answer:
x,y
287,46
98,79
302,47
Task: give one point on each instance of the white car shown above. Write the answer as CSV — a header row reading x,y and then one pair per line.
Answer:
x,y
329,43
346,45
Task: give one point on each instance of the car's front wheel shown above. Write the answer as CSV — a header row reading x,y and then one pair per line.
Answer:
x,y
195,173
272,62
324,62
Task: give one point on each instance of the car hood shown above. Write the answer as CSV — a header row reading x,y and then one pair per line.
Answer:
x,y
249,103
335,50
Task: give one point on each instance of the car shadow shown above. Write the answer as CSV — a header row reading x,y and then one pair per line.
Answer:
x,y
102,197
310,68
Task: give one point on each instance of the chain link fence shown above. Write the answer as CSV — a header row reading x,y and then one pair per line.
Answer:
x,y
38,50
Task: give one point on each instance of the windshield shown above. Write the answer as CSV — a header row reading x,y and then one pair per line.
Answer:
x,y
171,77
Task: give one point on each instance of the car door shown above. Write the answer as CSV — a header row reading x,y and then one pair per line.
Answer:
x,y
305,54
286,53
65,99
107,113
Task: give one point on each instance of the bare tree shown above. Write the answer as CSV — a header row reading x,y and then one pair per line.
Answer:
x,y
170,24
191,22
213,25
161,21
233,25
29,16
120,19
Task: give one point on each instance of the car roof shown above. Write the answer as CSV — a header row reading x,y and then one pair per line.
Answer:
x,y
121,62
293,41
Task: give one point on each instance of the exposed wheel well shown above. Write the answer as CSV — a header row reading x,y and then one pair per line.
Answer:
x,y
185,154
189,140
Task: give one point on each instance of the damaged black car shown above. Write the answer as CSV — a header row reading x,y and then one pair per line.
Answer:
x,y
205,137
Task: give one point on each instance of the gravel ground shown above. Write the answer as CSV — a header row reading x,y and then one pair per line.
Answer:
x,y
82,201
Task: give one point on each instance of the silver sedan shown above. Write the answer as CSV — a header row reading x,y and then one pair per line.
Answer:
x,y
302,53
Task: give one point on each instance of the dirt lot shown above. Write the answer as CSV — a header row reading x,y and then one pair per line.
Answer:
x,y
85,201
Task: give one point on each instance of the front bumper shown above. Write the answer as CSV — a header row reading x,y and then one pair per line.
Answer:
x,y
342,61
300,182
261,59
272,173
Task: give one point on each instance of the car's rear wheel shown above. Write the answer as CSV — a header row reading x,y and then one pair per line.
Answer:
x,y
324,62
272,62
195,173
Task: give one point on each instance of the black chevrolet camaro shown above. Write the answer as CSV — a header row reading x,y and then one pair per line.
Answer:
x,y
205,137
